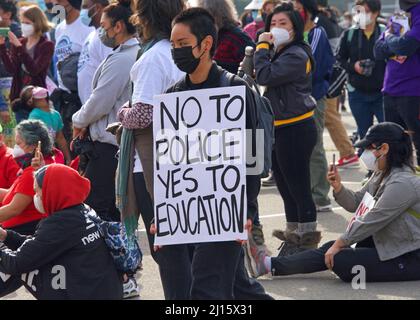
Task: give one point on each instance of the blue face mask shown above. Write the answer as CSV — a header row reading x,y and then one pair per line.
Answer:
x,y
84,16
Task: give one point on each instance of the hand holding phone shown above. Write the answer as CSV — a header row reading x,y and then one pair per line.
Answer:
x,y
333,177
38,159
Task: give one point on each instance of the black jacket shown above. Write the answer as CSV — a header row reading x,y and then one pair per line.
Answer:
x,y
65,259
288,82
351,52
214,81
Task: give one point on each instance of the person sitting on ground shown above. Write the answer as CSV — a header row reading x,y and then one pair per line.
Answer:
x,y
17,211
386,227
8,166
71,258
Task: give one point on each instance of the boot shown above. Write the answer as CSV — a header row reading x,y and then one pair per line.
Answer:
x,y
310,240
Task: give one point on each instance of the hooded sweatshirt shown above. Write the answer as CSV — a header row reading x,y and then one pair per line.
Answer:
x,y
67,258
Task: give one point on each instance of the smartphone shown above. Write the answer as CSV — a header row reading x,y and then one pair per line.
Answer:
x,y
333,167
4,32
38,149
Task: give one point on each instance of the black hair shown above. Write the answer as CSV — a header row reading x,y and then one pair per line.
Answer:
x,y
103,3
400,154
120,11
154,17
9,6
294,16
288,9
201,23
373,5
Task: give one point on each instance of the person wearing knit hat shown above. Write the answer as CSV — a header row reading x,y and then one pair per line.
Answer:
x,y
66,246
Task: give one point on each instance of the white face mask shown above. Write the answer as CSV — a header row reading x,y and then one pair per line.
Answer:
x,y
363,20
281,36
38,204
370,161
17,151
27,29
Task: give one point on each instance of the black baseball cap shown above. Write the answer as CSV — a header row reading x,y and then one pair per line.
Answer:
x,y
386,132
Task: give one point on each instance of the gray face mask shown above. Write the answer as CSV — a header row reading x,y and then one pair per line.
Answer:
x,y
106,40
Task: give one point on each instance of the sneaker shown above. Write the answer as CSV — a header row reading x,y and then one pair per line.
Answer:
x,y
131,289
270,181
255,256
349,162
322,209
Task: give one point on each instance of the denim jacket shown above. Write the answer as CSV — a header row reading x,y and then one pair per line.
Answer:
x,y
394,221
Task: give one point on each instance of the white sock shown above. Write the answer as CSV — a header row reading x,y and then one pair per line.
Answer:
x,y
267,263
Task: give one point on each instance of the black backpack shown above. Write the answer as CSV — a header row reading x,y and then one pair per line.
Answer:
x,y
265,117
68,71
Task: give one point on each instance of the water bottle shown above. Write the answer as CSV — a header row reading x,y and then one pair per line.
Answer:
x,y
247,65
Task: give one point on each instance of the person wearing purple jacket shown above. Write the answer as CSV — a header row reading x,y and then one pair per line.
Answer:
x,y
402,75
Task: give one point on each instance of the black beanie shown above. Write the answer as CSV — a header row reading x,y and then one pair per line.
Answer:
x,y
311,6
406,5
77,4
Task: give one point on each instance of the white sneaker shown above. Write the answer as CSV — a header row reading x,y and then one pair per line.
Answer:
x,y
131,289
322,209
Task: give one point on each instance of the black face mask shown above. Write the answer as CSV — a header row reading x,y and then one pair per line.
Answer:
x,y
49,5
185,60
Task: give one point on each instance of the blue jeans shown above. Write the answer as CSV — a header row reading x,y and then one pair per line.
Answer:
x,y
364,108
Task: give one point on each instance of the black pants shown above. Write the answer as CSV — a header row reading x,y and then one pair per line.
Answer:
x,y
403,268
254,183
175,277
291,168
101,171
406,112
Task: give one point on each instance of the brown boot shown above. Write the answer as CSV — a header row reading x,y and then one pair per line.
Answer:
x,y
310,240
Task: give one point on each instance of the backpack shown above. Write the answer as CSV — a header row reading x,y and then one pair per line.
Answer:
x,y
67,69
125,251
265,117
339,75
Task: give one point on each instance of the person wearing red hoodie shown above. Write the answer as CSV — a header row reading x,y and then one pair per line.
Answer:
x,y
17,210
8,166
66,258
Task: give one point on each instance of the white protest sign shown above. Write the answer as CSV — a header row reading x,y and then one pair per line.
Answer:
x,y
200,166
367,204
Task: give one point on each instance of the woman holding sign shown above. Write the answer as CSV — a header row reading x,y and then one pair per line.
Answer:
x,y
386,225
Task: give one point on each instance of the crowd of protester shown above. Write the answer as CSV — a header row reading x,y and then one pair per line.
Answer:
x,y
78,92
